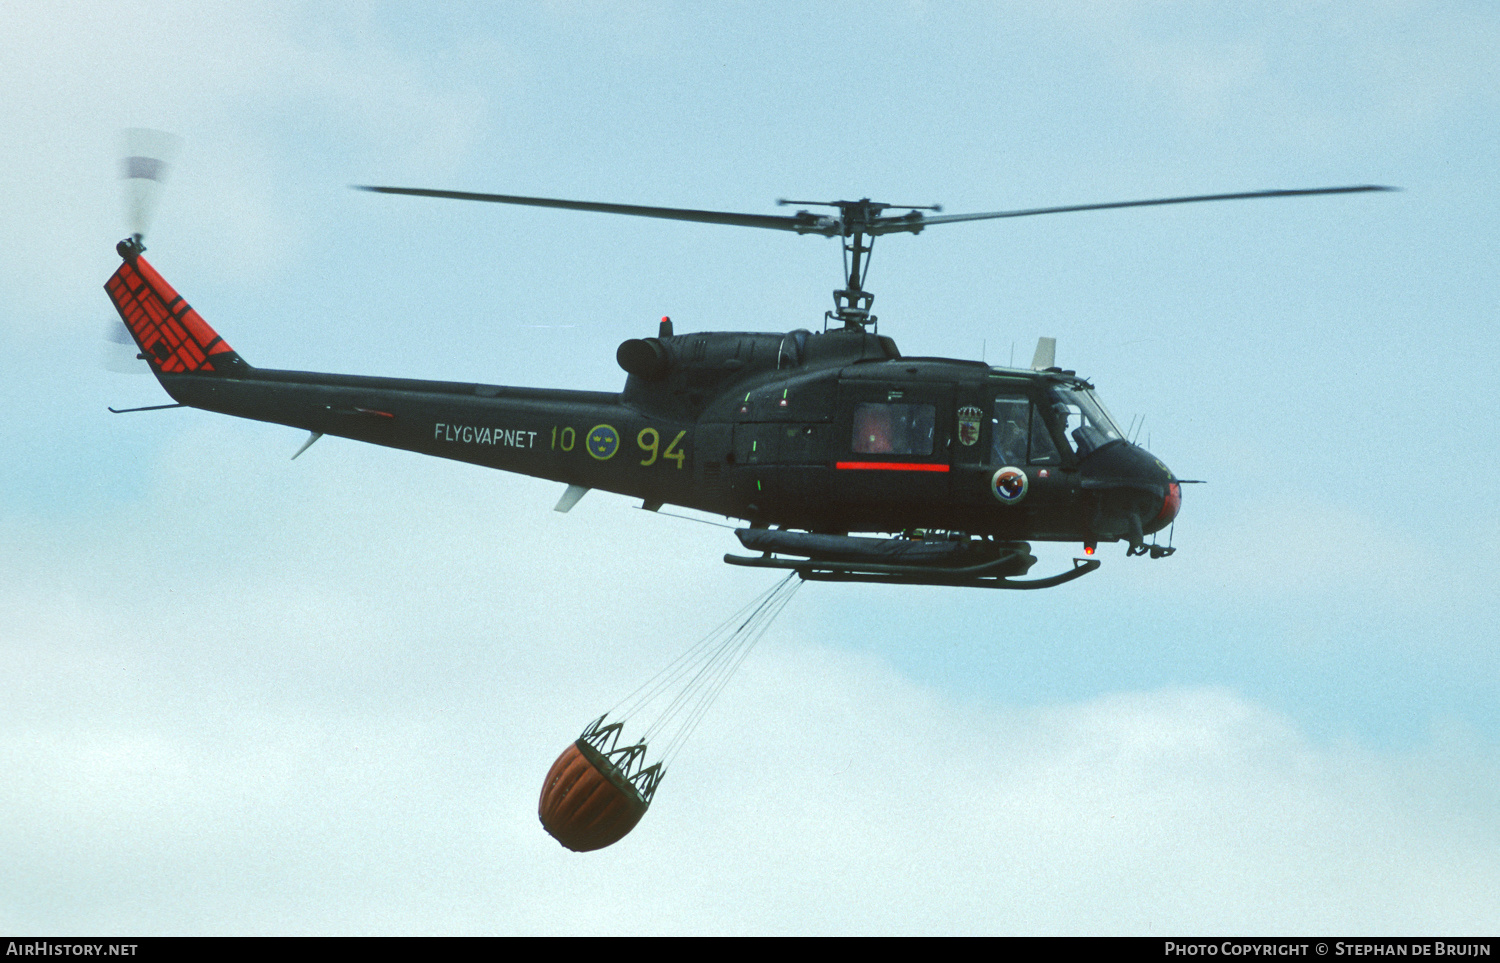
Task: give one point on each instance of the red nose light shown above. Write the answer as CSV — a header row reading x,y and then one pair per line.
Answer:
x,y
1089,547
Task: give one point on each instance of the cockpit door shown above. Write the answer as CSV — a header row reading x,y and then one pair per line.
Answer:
x,y
1016,438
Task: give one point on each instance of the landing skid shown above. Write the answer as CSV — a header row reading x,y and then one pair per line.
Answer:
x,y
984,575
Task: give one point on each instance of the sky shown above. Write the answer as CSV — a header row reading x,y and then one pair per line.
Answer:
x,y
244,695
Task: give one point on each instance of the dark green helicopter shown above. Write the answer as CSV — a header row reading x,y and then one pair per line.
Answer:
x,y
950,468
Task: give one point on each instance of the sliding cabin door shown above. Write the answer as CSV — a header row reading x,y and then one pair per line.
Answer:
x,y
893,452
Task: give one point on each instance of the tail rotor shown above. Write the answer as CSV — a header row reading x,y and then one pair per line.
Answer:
x,y
146,159
169,335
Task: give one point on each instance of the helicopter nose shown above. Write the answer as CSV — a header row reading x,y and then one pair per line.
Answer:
x,y
1137,494
1170,504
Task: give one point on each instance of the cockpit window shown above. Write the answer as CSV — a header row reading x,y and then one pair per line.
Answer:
x,y
1043,448
1019,434
1085,423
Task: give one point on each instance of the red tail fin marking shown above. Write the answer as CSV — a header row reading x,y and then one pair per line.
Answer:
x,y
173,337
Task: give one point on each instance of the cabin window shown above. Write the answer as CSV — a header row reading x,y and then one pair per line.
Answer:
x,y
881,429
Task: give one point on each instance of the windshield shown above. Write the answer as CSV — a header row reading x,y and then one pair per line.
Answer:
x,y
1085,423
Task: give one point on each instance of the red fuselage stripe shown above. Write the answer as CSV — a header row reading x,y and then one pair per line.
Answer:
x,y
888,466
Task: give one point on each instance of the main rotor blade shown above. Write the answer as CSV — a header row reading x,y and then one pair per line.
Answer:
x,y
915,224
801,222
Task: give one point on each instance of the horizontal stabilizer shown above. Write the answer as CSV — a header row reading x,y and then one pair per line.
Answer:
x,y
570,498
312,437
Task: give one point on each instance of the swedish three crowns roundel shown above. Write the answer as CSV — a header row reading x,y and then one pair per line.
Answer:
x,y
603,442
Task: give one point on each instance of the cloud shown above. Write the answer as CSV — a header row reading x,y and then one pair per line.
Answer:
x,y
231,710
247,695
229,78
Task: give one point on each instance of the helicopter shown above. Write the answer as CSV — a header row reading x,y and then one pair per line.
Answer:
x,y
844,459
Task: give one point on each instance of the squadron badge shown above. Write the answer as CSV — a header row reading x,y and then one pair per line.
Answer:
x,y
1009,485
968,425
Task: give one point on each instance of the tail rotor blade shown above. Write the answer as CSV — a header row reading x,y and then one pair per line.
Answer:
x,y
118,351
146,159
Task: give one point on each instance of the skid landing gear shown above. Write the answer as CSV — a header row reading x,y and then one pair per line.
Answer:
x,y
961,561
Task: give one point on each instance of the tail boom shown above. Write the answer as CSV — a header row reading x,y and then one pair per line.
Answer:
x,y
556,434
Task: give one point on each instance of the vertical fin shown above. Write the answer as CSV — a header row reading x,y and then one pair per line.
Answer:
x,y
173,338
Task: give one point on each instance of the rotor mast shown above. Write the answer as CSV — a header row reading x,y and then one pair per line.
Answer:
x,y
858,221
